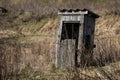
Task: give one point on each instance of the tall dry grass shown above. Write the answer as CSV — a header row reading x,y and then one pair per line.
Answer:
x,y
41,9
34,61
16,57
26,61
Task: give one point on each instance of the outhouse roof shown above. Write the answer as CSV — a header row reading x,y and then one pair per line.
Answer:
x,y
77,12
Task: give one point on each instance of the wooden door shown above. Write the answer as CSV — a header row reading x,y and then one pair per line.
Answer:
x,y
68,45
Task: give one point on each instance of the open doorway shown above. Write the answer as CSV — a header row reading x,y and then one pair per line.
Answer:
x,y
69,39
70,30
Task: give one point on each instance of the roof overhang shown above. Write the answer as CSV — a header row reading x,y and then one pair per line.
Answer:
x,y
77,12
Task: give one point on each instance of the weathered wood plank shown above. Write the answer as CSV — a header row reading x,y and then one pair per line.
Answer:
x,y
58,55
80,40
71,18
67,53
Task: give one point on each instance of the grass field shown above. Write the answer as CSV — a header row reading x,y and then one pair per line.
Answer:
x,y
28,38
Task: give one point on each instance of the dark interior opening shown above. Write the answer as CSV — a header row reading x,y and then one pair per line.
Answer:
x,y
70,30
87,41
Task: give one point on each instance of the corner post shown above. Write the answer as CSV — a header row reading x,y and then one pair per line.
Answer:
x,y
80,40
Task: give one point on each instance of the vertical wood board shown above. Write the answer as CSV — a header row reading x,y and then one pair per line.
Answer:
x,y
67,51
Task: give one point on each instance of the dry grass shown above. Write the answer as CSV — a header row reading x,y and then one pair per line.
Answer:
x,y
17,57
33,58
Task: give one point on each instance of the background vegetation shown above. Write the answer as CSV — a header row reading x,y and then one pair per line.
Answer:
x,y
28,37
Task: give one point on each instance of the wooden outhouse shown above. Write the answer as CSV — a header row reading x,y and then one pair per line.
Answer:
x,y
75,37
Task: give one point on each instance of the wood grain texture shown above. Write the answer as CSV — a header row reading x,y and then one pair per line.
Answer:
x,y
67,53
